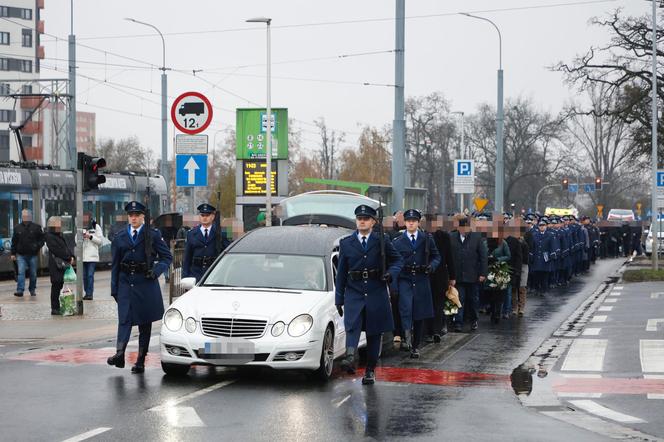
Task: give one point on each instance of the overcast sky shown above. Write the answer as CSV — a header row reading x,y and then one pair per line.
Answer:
x,y
445,52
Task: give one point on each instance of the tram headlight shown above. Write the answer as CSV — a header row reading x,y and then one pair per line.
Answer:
x,y
173,319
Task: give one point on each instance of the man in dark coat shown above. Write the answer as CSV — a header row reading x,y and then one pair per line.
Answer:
x,y
59,256
469,251
397,229
421,258
541,257
27,240
441,278
135,284
201,248
361,293
516,260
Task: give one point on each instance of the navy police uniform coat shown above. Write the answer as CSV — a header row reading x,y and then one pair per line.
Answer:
x,y
370,295
139,298
543,252
414,288
197,247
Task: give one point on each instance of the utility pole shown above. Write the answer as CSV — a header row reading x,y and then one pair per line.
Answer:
x,y
74,164
399,123
655,209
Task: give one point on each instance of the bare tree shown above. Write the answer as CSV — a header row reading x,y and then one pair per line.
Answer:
x,y
329,147
126,154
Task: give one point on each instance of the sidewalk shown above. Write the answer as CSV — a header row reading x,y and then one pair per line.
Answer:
x,y
28,319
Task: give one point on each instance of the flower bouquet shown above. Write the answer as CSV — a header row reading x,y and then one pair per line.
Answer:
x,y
499,276
452,303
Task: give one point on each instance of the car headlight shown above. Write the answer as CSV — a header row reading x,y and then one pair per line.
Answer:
x,y
278,328
173,319
190,325
300,325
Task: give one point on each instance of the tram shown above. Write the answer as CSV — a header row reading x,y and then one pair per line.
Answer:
x,y
49,192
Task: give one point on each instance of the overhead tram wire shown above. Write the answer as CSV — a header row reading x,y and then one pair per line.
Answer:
x,y
356,21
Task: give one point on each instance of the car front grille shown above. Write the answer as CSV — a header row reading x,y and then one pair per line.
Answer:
x,y
234,327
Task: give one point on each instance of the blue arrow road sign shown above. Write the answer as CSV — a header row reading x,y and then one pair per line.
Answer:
x,y
589,188
191,170
573,188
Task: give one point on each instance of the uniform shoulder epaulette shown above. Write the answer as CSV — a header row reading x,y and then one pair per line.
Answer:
x,y
346,238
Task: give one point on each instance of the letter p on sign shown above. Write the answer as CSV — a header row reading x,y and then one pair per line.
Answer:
x,y
464,168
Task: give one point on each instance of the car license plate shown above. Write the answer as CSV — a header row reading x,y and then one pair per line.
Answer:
x,y
239,349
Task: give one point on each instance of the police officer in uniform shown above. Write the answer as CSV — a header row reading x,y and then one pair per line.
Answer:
x,y
421,258
201,247
361,294
541,256
135,285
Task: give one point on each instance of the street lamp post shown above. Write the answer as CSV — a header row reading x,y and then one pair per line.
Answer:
x,y
268,128
500,119
164,169
460,155
654,210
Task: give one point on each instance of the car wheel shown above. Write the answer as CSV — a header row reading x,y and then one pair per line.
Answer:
x,y
174,369
324,372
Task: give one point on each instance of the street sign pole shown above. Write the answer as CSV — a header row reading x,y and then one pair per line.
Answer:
x,y
654,210
268,153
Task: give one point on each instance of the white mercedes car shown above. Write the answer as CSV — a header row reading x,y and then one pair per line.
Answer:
x,y
267,300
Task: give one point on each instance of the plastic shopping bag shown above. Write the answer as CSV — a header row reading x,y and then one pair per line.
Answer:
x,y
67,301
70,275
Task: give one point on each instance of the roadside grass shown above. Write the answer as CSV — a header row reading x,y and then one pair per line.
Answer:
x,y
643,275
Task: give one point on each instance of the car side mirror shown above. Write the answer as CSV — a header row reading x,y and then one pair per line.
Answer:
x,y
188,283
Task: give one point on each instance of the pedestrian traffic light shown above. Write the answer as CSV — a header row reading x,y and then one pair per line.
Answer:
x,y
598,183
565,183
90,167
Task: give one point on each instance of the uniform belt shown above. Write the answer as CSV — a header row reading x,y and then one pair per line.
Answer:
x,y
203,261
133,267
415,269
357,275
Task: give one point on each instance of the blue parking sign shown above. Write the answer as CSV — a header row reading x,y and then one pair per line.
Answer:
x,y
464,168
660,178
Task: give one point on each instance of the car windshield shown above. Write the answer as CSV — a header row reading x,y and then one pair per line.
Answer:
x,y
324,204
294,272
621,212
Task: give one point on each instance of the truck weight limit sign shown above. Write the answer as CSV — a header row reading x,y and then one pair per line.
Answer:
x,y
191,113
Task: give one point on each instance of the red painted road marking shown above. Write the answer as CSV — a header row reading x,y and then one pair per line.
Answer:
x,y
609,385
440,377
84,356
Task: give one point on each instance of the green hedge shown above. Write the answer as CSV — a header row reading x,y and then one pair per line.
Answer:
x,y
642,275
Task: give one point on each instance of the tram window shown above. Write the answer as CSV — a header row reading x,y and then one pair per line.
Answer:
x,y
5,216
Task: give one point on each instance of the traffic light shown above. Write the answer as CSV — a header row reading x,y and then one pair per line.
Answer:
x,y
565,183
598,183
90,167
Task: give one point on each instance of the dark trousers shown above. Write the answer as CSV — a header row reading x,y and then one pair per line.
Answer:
x,y
374,343
396,316
124,333
418,331
496,299
541,281
434,326
55,294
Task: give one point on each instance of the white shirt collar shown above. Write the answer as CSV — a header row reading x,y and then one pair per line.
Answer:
x,y
131,229
209,229
408,234
359,236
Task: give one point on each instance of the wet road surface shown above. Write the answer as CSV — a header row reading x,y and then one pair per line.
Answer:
x,y
459,389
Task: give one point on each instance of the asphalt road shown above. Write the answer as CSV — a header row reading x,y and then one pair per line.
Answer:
x,y
459,389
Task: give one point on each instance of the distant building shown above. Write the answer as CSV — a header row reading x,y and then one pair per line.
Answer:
x,y
20,55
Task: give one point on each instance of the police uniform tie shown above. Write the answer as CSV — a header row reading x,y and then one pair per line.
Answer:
x,y
205,234
412,240
364,242
133,235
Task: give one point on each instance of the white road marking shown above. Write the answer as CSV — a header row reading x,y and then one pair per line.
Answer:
x,y
618,287
341,402
591,331
88,434
605,308
611,300
585,355
599,318
173,402
582,375
653,323
654,376
615,294
580,395
651,352
183,417
656,295
601,411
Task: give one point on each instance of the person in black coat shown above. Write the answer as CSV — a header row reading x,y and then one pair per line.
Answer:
x,y
59,254
516,245
443,277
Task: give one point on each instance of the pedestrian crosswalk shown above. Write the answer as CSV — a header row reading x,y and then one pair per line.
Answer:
x,y
585,355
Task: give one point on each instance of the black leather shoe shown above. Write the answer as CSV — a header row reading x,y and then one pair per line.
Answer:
x,y
18,294
139,366
369,377
429,339
414,353
348,363
117,359
87,298
436,338
473,326
458,329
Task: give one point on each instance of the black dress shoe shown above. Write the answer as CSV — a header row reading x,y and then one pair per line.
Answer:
x,y
414,353
369,377
18,294
428,339
87,298
458,329
473,326
117,359
348,363
436,338
56,312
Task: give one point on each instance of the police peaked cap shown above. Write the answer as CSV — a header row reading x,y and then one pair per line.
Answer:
x,y
134,207
542,222
364,210
205,208
412,214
